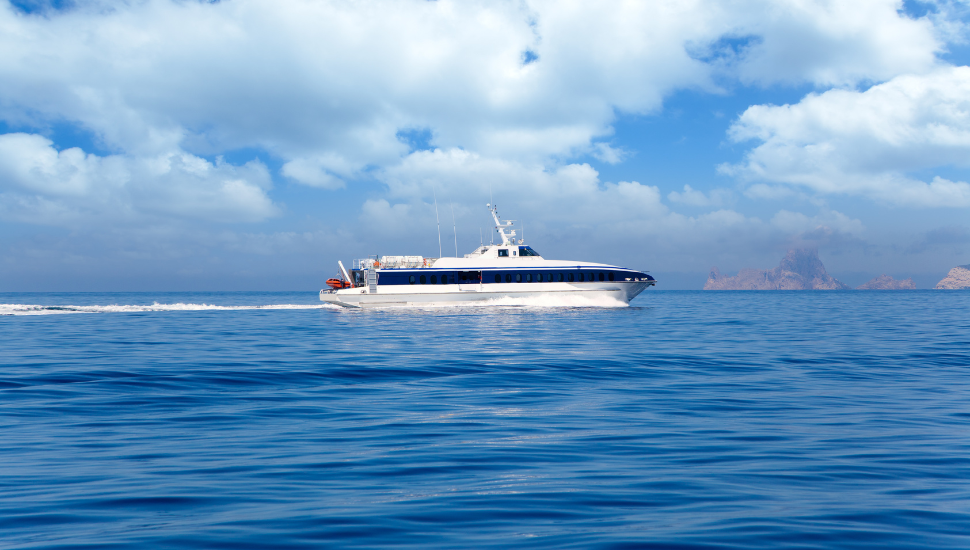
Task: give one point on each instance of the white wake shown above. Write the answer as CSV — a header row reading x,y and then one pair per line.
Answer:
x,y
34,309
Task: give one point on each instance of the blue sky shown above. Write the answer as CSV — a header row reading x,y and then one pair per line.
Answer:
x,y
163,145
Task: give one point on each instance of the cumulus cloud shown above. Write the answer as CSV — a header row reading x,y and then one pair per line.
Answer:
x,y
694,197
609,154
39,184
569,212
866,142
318,172
572,191
308,80
834,43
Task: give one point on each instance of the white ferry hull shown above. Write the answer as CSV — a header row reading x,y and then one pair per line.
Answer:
x,y
449,295
510,273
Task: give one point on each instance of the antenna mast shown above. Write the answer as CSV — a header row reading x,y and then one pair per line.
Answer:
x,y
436,219
455,225
501,226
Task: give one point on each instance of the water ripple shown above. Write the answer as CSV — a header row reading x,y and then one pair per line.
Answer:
x,y
692,420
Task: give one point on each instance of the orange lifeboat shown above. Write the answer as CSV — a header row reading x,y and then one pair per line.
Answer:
x,y
338,283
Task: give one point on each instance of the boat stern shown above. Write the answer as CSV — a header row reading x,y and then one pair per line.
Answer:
x,y
331,296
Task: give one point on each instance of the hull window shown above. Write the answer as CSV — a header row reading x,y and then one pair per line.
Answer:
x,y
582,277
411,279
444,279
498,277
508,277
572,277
601,276
611,275
424,280
528,277
539,278
560,277
518,277
434,279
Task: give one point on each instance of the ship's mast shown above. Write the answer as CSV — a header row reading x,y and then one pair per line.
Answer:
x,y
500,226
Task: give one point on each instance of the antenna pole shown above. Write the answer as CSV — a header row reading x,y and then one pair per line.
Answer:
x,y
455,225
436,219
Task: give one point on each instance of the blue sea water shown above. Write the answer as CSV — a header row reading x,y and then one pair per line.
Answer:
x,y
707,420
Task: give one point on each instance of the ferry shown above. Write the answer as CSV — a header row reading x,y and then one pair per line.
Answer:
x,y
491,272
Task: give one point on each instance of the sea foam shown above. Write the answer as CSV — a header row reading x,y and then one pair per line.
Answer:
x,y
34,309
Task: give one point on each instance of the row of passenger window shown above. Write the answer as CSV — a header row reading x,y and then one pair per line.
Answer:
x,y
569,276
434,279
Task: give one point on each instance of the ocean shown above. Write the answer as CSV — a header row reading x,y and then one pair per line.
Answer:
x,y
690,420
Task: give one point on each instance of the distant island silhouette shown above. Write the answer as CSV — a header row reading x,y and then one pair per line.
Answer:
x,y
957,278
885,282
799,270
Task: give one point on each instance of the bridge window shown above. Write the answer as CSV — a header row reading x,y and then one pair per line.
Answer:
x,y
498,277
424,280
411,279
434,280
527,251
503,252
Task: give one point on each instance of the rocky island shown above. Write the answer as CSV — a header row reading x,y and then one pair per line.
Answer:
x,y
958,277
885,282
799,270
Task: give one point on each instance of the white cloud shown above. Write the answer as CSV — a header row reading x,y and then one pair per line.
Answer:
x,y
39,184
316,172
308,80
693,197
831,43
571,192
570,213
865,143
609,154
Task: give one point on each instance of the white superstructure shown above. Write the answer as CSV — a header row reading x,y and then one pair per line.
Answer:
x,y
491,272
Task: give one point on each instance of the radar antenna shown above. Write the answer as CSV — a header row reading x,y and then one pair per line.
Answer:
x,y
500,226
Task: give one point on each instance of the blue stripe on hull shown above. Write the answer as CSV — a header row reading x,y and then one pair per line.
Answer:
x,y
430,276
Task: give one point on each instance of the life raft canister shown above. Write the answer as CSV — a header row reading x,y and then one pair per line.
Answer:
x,y
337,283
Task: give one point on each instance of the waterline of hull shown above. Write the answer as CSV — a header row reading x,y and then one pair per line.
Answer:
x,y
612,296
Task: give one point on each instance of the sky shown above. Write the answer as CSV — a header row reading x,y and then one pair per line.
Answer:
x,y
152,145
